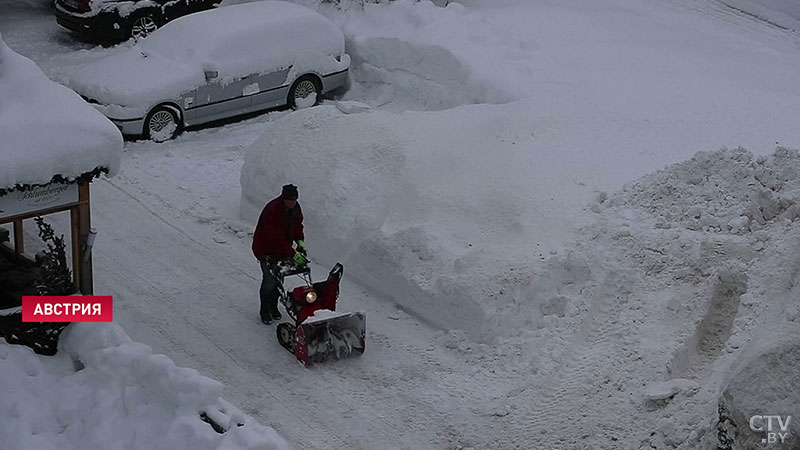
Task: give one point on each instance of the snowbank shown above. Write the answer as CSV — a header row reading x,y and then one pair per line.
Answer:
x,y
512,180
664,309
413,206
766,384
456,219
415,55
712,239
723,191
47,129
103,390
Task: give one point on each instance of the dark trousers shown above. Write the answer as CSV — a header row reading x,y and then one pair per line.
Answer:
x,y
269,291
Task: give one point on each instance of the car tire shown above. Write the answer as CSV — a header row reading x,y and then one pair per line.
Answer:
x,y
302,88
162,124
141,25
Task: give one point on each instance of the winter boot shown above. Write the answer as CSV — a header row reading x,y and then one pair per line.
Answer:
x,y
272,306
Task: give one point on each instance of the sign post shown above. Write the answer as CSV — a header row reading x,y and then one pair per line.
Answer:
x,y
38,199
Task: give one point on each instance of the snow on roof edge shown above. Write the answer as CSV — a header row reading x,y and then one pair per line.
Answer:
x,y
58,178
48,132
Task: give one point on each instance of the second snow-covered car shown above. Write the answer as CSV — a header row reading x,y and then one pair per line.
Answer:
x,y
217,64
123,19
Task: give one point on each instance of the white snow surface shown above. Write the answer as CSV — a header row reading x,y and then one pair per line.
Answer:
x,y
762,377
600,109
268,36
667,389
103,390
642,265
46,129
415,55
323,314
783,13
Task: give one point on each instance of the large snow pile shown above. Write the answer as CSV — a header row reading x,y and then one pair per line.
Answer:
x,y
452,218
410,54
420,211
662,311
714,238
452,212
103,390
708,191
47,129
172,60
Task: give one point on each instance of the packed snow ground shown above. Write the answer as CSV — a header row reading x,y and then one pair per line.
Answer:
x,y
596,326
782,13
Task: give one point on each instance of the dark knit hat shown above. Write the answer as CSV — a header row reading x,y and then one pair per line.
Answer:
x,y
289,192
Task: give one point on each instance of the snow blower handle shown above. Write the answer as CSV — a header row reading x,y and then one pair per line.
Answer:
x,y
288,267
300,259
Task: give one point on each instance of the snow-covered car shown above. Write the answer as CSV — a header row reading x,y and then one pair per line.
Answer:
x,y
217,64
122,19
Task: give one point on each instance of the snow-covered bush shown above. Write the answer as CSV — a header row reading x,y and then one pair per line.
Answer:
x,y
54,276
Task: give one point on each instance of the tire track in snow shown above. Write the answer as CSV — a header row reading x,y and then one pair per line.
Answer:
x,y
742,20
696,357
566,408
179,325
175,327
337,401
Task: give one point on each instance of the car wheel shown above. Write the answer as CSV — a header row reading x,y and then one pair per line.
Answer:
x,y
162,124
306,91
142,26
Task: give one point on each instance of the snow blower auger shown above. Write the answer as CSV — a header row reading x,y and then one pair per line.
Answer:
x,y
319,333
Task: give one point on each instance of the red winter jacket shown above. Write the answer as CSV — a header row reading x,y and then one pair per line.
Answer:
x,y
277,229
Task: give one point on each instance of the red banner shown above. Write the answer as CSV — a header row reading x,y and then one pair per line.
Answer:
x,y
67,309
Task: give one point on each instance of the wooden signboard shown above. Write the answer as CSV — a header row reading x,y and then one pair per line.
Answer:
x,y
50,197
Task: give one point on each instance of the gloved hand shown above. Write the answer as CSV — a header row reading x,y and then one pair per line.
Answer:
x,y
301,247
300,259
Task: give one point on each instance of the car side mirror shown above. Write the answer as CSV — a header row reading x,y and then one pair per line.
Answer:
x,y
211,75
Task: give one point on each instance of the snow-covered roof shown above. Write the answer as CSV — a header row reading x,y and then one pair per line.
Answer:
x,y
47,130
235,40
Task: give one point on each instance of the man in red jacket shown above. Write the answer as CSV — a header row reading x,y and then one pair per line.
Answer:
x,y
279,226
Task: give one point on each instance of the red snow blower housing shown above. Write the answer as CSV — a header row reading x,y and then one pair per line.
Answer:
x,y
319,333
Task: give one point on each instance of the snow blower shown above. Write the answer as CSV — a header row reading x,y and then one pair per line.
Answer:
x,y
319,333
